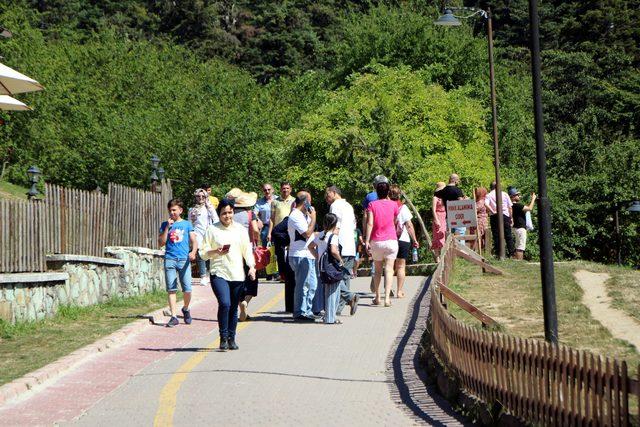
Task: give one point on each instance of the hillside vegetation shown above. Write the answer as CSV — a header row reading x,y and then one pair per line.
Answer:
x,y
237,92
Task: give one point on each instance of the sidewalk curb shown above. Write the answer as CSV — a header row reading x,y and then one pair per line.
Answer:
x,y
405,374
54,370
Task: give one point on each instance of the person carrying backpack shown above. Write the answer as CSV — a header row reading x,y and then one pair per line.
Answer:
x,y
326,249
280,238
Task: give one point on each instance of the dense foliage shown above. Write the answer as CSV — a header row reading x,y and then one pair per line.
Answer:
x,y
390,122
235,92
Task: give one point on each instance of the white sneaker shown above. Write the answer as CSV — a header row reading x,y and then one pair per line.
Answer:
x,y
204,281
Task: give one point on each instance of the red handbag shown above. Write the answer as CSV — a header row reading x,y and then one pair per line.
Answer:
x,y
261,255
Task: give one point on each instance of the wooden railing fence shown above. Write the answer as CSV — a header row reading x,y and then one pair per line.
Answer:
x,y
78,222
533,380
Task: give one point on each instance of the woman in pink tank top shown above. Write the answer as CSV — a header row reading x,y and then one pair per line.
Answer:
x,y
382,240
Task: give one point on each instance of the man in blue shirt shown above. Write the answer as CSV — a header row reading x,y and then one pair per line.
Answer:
x,y
177,234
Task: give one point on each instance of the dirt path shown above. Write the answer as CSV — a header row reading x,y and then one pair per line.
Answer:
x,y
596,299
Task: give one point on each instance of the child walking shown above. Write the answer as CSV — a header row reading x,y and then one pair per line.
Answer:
x,y
177,235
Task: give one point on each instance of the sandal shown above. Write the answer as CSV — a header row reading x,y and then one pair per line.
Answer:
x,y
243,311
375,302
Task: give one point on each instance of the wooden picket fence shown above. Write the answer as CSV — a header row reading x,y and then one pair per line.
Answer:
x,y
135,215
533,380
78,222
21,247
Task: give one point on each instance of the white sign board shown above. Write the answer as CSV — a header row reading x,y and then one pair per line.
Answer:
x,y
461,213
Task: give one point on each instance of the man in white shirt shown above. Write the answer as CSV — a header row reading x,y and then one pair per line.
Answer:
x,y
301,226
347,239
507,205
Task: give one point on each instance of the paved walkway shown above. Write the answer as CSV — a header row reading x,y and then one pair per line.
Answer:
x,y
285,373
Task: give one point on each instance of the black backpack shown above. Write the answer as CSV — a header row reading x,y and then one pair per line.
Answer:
x,y
280,233
330,271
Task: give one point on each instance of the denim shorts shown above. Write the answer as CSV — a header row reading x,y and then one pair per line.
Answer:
x,y
174,269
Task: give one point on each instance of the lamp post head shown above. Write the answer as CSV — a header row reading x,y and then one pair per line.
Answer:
x,y
448,20
634,207
33,173
161,173
155,161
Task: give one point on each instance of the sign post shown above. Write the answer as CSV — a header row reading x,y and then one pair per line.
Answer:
x,y
462,213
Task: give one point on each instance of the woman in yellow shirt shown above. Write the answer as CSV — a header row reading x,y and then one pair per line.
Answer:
x,y
227,244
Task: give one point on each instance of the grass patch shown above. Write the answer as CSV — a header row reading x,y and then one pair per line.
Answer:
x,y
25,347
12,191
515,301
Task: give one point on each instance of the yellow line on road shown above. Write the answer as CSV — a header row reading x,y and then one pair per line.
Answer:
x,y
169,393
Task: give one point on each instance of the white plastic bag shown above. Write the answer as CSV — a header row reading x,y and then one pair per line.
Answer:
x,y
528,221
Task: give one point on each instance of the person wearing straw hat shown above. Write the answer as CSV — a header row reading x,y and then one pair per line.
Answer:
x,y
243,215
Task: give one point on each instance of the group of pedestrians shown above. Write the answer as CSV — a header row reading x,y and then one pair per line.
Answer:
x,y
315,262
516,216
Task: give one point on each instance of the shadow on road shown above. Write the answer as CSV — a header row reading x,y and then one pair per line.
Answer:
x,y
180,349
283,374
408,375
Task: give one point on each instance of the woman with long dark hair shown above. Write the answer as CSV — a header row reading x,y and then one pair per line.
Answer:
x,y
227,245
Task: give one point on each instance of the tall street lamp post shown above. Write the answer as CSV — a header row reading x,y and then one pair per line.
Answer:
x,y
450,20
544,207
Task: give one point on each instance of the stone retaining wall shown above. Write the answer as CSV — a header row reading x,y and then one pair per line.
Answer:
x,y
79,280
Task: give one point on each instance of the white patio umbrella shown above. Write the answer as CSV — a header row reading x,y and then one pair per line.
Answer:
x,y
8,103
12,82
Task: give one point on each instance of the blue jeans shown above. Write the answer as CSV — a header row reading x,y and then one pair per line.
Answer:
x,y
306,284
228,295
203,266
263,235
345,285
331,300
174,268
461,231
318,298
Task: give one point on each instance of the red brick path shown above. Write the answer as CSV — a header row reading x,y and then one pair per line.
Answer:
x,y
69,396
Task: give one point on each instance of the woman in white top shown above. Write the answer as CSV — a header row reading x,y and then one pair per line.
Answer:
x,y
406,233
227,244
324,241
201,216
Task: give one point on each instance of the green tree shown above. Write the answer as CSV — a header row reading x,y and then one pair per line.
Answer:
x,y
389,121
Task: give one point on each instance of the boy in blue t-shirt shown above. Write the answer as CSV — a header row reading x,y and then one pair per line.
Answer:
x,y
176,234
